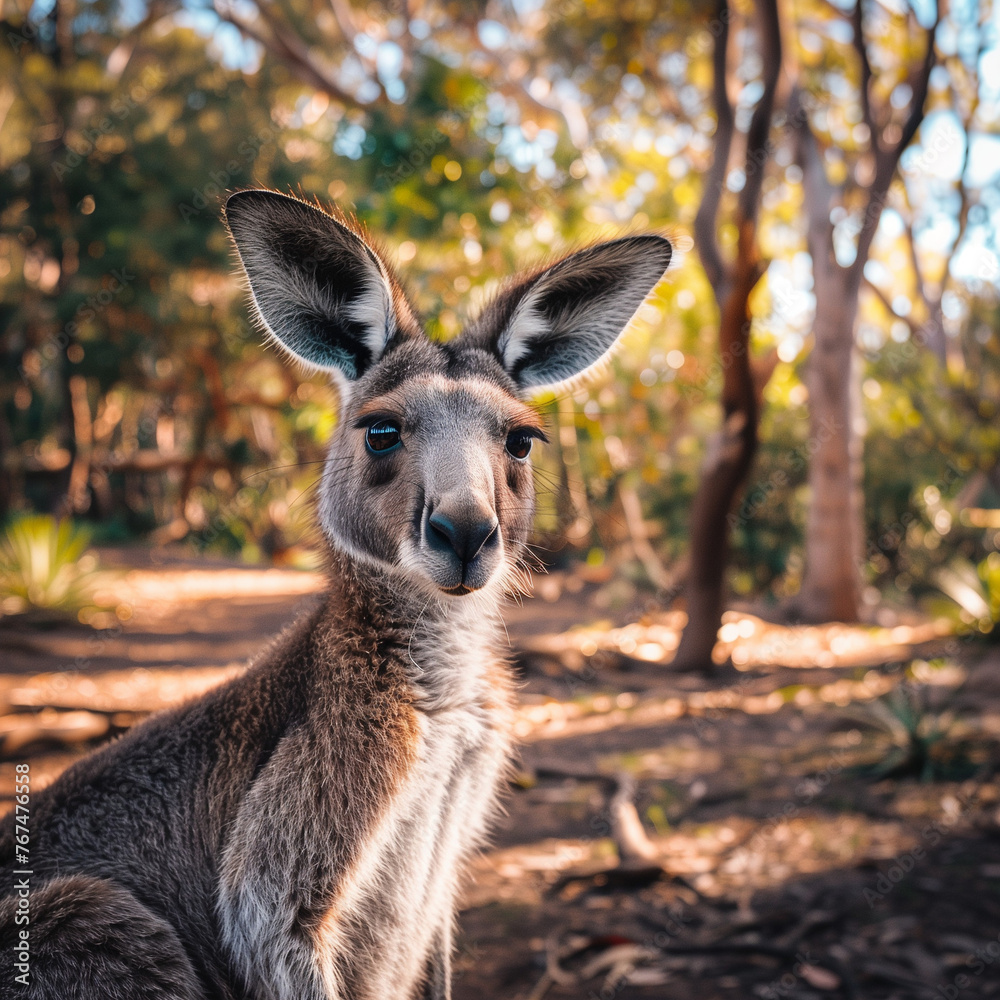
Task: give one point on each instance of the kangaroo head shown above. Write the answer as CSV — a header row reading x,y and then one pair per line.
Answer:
x,y
428,472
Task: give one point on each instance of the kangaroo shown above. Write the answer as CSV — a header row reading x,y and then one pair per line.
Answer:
x,y
300,832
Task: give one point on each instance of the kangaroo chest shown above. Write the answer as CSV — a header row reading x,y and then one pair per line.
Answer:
x,y
350,894
396,908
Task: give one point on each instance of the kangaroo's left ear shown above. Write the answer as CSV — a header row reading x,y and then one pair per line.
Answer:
x,y
319,288
558,323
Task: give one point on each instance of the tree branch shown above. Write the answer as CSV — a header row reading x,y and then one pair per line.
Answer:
x,y
344,17
920,87
758,135
866,77
918,273
887,158
884,299
832,8
705,223
289,50
963,189
817,190
297,48
121,55
730,452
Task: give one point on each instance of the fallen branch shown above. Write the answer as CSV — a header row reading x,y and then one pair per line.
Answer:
x,y
627,962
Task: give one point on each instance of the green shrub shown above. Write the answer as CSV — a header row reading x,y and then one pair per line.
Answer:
x,y
928,740
45,567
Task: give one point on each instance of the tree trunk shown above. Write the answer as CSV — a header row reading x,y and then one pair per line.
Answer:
x,y
731,450
727,462
831,588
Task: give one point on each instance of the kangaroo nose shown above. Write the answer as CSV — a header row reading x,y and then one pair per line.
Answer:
x,y
466,537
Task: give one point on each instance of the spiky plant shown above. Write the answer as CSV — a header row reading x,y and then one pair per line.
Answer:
x,y
46,569
928,742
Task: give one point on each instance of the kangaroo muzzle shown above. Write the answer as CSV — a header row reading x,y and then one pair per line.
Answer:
x,y
465,538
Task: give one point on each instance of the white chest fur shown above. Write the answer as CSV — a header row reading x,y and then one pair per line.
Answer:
x,y
395,905
398,903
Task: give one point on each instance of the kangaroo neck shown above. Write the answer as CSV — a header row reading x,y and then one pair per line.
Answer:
x,y
447,648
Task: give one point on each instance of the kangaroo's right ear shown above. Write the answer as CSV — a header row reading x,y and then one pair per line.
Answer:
x,y
318,288
553,326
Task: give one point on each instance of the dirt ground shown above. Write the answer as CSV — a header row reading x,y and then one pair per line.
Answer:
x,y
820,817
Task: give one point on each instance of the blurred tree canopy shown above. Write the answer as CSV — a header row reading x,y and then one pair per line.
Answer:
x,y
473,140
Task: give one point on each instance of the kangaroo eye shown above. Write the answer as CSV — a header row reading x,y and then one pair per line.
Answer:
x,y
518,444
382,436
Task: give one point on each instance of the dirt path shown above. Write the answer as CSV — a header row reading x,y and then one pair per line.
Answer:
x,y
795,868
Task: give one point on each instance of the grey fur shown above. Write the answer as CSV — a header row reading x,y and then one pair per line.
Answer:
x,y
300,833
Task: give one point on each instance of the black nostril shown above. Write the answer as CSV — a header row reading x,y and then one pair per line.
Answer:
x,y
481,536
465,539
441,530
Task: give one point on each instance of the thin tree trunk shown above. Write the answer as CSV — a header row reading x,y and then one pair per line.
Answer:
x,y
730,455
727,461
77,493
638,535
11,478
731,450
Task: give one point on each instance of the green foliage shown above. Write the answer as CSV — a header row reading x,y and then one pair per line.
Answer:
x,y
989,573
927,739
45,567
973,592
